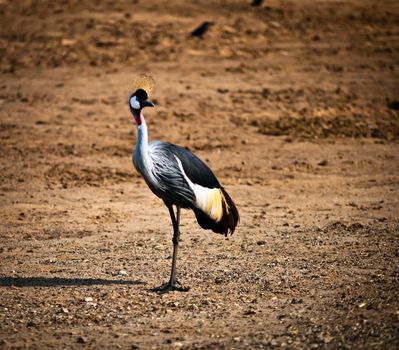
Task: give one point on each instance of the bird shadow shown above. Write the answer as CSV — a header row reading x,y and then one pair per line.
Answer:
x,y
57,281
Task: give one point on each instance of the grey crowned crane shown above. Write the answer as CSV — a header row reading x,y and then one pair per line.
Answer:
x,y
180,179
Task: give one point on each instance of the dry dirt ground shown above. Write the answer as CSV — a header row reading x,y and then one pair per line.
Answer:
x,y
294,104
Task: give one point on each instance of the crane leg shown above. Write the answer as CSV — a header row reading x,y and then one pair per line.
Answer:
x,y
175,240
171,285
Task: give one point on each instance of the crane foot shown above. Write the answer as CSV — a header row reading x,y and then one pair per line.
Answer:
x,y
170,287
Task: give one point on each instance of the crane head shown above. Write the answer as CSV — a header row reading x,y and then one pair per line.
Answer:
x,y
137,101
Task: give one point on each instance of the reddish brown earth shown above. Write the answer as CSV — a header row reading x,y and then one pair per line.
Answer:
x,y
291,103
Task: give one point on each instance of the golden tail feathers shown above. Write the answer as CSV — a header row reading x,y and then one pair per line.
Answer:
x,y
226,221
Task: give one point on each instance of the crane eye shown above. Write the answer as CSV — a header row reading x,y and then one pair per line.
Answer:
x,y
134,103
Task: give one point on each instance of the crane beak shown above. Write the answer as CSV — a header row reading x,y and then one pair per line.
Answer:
x,y
146,104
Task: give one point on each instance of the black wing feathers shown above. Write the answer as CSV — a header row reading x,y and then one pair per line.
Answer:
x,y
199,173
180,193
196,170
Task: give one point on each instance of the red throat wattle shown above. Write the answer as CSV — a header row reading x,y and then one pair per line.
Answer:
x,y
138,119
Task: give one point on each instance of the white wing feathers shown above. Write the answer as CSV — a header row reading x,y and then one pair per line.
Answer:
x,y
209,200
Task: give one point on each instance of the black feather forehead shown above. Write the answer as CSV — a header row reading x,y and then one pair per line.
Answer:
x,y
141,95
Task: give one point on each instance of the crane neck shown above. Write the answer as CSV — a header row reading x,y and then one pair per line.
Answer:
x,y
141,157
142,132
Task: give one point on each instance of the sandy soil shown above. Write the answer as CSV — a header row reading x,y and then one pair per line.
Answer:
x,y
294,104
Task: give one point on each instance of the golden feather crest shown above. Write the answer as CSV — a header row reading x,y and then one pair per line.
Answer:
x,y
145,82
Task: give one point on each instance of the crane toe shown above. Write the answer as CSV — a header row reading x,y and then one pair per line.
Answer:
x,y
170,287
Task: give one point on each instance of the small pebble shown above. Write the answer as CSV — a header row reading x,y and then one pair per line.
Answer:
x,y
81,340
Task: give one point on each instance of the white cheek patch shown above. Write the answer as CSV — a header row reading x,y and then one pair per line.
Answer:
x,y
134,103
